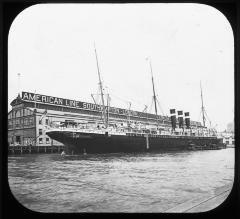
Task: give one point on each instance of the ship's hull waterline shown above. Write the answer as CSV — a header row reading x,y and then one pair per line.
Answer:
x,y
79,143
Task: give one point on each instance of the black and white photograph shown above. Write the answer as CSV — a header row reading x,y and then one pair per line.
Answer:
x,y
120,108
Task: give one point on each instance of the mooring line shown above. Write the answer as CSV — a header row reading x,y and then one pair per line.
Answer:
x,y
206,200
198,203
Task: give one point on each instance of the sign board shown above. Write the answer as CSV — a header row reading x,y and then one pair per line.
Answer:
x,y
38,98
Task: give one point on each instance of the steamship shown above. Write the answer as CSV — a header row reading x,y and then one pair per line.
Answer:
x,y
129,136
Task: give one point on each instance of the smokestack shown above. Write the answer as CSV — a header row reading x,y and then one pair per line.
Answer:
x,y
173,118
180,119
187,120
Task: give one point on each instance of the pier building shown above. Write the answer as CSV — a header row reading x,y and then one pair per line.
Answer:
x,y
32,114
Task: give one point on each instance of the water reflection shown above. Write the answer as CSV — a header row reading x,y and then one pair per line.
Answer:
x,y
143,182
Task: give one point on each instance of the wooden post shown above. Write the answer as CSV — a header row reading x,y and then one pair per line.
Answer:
x,y
147,142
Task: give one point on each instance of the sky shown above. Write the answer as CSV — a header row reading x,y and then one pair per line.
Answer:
x,y
51,46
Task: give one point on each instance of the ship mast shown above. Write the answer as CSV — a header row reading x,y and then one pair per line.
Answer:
x,y
204,119
101,89
154,94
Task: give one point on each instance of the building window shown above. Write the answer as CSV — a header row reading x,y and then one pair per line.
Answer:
x,y
18,113
18,139
10,124
25,112
46,122
25,122
40,141
47,141
40,121
17,123
13,123
40,132
30,121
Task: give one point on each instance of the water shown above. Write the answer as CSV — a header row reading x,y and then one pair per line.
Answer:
x,y
117,182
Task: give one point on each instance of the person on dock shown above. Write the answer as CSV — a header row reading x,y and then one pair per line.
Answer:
x,y
63,153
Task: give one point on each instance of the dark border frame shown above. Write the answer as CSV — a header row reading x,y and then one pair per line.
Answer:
x,y
10,206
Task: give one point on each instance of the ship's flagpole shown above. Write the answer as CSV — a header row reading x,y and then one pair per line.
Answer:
x,y
101,89
154,93
35,100
204,119
129,113
19,84
108,106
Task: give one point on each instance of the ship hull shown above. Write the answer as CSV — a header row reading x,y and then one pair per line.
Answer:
x,y
79,143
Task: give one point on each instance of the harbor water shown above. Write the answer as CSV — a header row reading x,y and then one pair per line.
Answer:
x,y
141,182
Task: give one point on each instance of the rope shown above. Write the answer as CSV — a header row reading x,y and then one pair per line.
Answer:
x,y
151,106
199,115
200,202
160,107
126,101
206,200
207,117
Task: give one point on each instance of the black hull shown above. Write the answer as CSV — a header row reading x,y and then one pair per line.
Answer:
x,y
79,143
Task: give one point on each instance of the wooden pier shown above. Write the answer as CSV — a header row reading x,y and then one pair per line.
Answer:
x,y
34,149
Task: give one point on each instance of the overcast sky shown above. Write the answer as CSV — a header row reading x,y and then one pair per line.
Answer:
x,y
52,47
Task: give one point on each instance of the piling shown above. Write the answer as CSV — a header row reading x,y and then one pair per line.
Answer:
x,y
147,142
33,149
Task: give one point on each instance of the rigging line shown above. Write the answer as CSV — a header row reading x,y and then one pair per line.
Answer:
x,y
199,115
126,99
208,117
101,89
160,107
206,114
145,109
203,109
150,110
112,93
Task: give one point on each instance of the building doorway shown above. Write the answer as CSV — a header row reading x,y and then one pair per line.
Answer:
x,y
18,139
